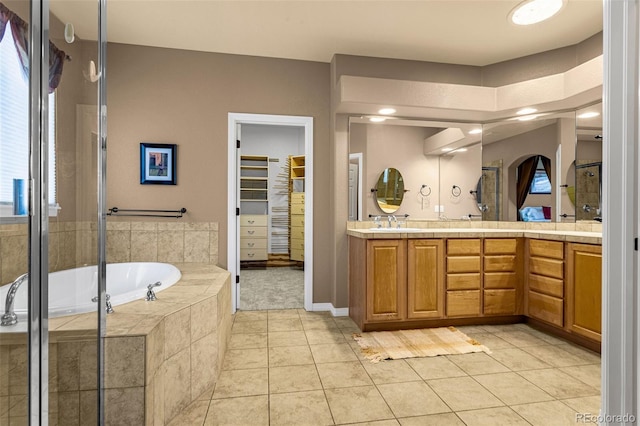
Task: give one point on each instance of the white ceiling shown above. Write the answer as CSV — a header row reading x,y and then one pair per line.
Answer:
x,y
471,32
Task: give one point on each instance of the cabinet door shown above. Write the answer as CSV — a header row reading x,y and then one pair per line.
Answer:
x,y
425,279
584,290
386,280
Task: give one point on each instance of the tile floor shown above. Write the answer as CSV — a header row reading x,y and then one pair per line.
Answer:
x,y
291,367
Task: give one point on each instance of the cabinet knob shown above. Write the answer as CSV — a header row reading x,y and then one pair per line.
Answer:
x,y
250,232
251,254
251,244
251,221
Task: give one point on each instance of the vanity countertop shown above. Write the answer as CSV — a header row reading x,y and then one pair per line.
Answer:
x,y
557,235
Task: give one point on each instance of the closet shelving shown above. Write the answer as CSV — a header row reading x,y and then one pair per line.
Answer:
x,y
254,203
296,207
254,184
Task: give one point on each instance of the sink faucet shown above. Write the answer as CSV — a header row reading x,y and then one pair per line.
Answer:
x,y
10,317
392,217
377,222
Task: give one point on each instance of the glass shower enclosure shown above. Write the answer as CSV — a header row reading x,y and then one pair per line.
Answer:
x,y
52,214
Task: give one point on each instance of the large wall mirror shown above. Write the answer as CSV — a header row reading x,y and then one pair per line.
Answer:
x,y
434,158
587,193
527,168
543,167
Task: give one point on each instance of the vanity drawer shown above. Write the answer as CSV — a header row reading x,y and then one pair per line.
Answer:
x,y
500,302
253,231
463,281
500,280
463,246
297,209
253,243
253,220
546,285
546,308
549,249
297,255
463,264
463,303
500,246
297,244
297,232
297,220
253,254
500,263
297,198
548,267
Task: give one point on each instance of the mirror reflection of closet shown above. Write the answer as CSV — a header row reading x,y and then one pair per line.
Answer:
x,y
588,165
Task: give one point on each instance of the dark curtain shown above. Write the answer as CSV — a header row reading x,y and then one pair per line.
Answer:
x,y
20,30
526,172
546,163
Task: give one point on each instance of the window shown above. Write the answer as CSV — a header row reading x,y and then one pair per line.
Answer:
x,y
14,128
540,183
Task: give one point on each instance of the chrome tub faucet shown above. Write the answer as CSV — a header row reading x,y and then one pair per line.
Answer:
x,y
10,317
107,303
151,295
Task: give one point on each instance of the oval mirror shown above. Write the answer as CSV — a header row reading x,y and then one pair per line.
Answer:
x,y
390,190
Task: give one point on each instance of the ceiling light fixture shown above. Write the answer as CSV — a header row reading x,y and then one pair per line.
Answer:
x,y
475,131
533,11
527,118
590,114
447,149
377,119
387,111
525,111
461,150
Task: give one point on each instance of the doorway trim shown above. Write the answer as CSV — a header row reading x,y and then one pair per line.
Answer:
x,y
233,224
357,158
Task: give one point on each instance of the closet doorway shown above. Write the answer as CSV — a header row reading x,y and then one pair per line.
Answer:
x,y
270,218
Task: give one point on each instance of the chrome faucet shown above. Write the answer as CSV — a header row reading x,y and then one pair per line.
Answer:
x,y
392,217
151,295
10,317
108,306
376,221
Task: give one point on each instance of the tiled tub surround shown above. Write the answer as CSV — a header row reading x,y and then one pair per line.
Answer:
x,y
73,244
160,356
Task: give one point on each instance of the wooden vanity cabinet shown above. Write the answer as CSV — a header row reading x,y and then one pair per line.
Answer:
x,y
545,281
463,277
425,279
584,290
502,276
386,282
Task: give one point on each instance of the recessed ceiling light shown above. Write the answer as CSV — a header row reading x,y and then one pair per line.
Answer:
x,y
475,131
589,114
447,149
533,11
525,111
527,118
387,111
461,150
377,119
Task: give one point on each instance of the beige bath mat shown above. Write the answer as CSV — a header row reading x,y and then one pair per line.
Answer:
x,y
380,345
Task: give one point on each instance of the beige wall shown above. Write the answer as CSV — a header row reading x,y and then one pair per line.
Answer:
x,y
184,97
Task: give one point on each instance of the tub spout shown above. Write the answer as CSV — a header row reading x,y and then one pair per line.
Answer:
x,y
107,303
151,295
10,317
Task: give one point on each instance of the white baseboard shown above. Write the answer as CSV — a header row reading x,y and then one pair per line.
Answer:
x,y
336,312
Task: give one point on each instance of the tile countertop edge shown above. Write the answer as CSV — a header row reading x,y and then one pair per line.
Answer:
x,y
568,236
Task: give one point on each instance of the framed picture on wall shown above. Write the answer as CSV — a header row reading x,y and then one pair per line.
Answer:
x,y
158,163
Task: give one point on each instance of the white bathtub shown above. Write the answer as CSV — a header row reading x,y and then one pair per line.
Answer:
x,y
71,291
